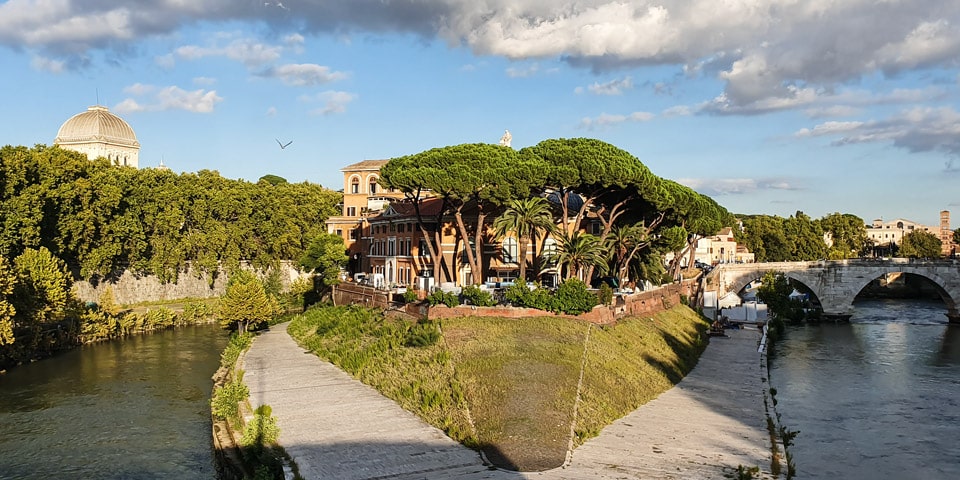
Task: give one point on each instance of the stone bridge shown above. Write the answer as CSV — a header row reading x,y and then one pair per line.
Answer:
x,y
837,282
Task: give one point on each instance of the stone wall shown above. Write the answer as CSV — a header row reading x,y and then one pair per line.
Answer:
x,y
638,304
130,288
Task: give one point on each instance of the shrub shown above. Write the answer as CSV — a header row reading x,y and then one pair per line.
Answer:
x,y
473,295
449,299
573,298
520,295
225,403
410,295
606,294
238,343
262,429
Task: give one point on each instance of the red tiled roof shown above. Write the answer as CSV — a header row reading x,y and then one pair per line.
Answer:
x,y
365,165
429,207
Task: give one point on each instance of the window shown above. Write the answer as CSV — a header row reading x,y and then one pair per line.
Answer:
x,y
422,249
339,232
351,211
509,250
355,185
400,228
373,186
550,251
353,233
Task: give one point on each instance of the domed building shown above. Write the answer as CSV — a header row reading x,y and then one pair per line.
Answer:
x,y
99,133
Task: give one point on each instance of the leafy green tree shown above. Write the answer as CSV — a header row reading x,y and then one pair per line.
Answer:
x,y
623,243
920,244
41,293
7,311
806,238
775,292
580,251
956,236
765,236
325,256
272,179
525,218
848,234
245,305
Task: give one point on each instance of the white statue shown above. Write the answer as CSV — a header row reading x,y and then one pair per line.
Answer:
x,y
506,138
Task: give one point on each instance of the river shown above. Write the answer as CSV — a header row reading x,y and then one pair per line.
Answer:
x,y
136,408
875,398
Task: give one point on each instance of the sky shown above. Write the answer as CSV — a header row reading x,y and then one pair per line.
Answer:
x,y
767,106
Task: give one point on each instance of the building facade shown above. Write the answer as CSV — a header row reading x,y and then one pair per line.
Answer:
x,y
99,133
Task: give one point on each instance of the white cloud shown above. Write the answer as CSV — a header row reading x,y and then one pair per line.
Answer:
x,y
139,89
333,102
524,71
678,111
304,74
168,98
613,87
920,129
244,50
606,119
737,186
770,54
48,64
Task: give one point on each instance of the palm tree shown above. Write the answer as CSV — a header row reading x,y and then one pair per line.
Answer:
x,y
525,218
624,241
581,251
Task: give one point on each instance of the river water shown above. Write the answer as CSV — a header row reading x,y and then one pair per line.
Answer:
x,y
876,398
137,408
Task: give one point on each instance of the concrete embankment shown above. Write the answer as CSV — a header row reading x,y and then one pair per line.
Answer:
x,y
336,427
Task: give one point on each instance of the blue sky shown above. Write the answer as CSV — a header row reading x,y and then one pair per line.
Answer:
x,y
768,106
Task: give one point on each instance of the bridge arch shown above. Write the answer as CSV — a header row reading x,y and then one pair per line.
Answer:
x,y
837,283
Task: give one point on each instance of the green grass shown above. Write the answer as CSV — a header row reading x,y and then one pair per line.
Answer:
x,y
372,349
634,362
509,386
520,379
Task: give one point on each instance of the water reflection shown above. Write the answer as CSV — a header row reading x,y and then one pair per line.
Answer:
x,y
876,398
136,408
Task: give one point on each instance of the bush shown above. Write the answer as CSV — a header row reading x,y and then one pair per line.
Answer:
x,y
573,298
520,295
261,430
410,296
606,294
238,343
449,299
225,403
473,295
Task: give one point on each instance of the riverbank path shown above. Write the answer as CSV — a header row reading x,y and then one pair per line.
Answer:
x,y
335,427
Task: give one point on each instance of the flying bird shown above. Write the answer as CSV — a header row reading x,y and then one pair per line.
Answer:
x,y
283,145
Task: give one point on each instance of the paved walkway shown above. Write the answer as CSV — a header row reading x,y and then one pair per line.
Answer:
x,y
338,428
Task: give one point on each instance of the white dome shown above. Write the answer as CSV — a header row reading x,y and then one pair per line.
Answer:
x,y
99,133
97,124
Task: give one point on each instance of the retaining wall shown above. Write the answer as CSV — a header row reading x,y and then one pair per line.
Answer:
x,y
636,304
131,288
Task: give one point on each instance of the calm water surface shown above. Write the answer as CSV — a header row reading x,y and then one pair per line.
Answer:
x,y
878,398
137,408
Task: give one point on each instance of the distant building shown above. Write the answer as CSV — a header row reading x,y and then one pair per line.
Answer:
x,y
99,133
891,232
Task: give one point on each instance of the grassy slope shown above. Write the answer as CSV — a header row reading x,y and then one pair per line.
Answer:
x,y
518,377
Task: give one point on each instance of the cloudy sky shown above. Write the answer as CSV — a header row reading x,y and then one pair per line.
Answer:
x,y
768,106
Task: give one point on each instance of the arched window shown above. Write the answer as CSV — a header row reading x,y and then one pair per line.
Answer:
x,y
550,251
373,185
509,250
354,185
